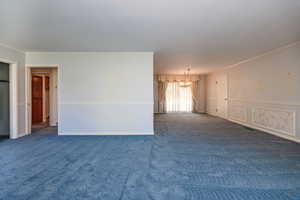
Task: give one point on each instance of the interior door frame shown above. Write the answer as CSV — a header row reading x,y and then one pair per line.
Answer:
x,y
13,98
28,120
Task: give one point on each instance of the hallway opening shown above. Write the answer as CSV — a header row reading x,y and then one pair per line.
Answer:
x,y
42,93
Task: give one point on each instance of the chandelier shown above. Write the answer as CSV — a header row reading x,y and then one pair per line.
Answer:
x,y
187,79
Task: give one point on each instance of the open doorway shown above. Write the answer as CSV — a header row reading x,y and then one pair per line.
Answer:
x,y
8,99
4,101
42,96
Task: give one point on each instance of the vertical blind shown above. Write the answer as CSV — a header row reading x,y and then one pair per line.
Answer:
x,y
178,99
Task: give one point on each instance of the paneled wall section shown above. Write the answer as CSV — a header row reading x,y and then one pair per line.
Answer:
x,y
264,93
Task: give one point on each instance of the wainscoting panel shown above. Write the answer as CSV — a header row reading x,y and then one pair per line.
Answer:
x,y
211,106
272,117
237,112
277,120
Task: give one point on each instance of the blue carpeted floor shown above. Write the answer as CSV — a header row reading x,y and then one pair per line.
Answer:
x,y
192,157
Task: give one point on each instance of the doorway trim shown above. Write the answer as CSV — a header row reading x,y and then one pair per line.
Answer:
x,y
13,98
28,93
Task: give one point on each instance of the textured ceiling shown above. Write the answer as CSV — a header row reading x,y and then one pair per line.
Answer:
x,y
207,34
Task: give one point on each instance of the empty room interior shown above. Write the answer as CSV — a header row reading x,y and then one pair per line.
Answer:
x,y
150,100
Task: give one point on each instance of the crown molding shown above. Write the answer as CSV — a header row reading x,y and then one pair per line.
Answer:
x,y
12,48
255,57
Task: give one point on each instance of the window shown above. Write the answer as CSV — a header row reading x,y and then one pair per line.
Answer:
x,y
178,99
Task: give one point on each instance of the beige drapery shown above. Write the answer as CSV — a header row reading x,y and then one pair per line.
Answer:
x,y
162,87
162,82
195,96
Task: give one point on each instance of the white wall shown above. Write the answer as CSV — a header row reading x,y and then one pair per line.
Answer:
x,y
264,92
102,93
18,57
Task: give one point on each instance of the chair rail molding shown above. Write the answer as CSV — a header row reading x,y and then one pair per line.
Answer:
x,y
286,103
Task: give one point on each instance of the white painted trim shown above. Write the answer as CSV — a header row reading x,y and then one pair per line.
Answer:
x,y
266,102
42,66
22,135
267,131
28,100
101,132
53,98
13,90
13,97
28,68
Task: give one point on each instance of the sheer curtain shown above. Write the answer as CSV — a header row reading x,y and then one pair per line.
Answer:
x,y
178,99
162,87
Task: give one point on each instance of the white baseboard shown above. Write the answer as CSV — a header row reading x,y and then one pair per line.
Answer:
x,y
267,131
19,135
88,132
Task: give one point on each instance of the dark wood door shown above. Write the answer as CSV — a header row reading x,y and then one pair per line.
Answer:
x,y
47,98
37,99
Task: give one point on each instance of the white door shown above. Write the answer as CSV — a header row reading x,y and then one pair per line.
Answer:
x,y
222,96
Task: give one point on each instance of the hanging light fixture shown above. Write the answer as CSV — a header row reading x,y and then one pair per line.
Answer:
x,y
187,78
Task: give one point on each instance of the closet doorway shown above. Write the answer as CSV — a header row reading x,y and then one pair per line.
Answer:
x,y
8,99
4,101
